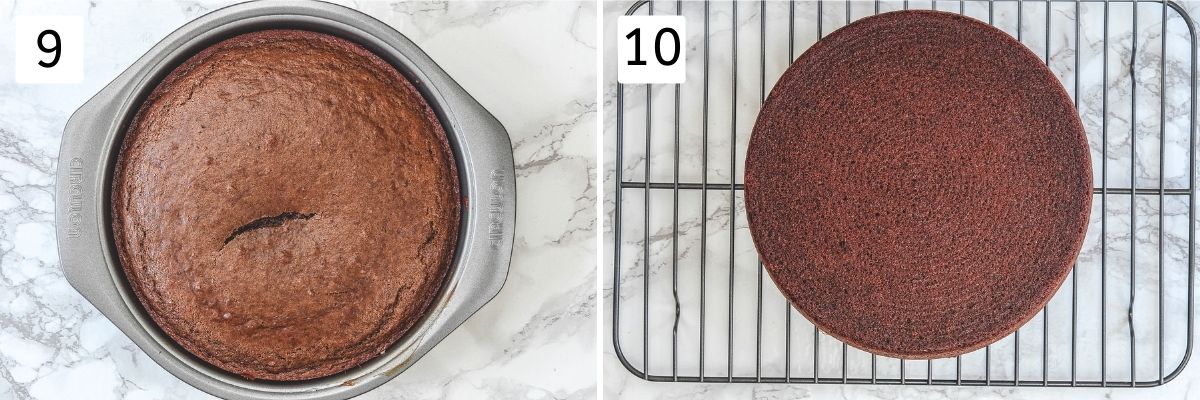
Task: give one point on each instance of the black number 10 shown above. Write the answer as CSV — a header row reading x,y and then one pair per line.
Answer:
x,y
637,48
53,49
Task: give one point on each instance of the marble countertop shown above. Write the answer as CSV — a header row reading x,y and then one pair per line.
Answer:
x,y
636,272
530,63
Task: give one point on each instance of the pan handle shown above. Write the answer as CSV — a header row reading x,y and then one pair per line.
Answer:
x,y
486,240
79,198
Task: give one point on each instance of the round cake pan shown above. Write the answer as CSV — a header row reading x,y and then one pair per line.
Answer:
x,y
93,137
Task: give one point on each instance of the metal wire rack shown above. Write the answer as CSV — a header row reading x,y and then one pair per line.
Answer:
x,y
690,301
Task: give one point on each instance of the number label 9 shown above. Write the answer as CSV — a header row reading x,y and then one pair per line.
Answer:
x,y
49,49
41,43
651,49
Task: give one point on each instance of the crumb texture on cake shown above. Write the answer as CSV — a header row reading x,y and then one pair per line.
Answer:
x,y
918,184
285,205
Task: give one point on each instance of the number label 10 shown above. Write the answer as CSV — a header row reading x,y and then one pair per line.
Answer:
x,y
49,49
651,49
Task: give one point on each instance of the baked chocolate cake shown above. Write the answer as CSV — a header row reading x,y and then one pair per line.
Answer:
x,y
285,205
918,184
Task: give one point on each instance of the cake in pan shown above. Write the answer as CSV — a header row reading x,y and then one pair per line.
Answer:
x,y
285,205
918,184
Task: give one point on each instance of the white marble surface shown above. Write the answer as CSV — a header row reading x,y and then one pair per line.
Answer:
x,y
726,118
530,63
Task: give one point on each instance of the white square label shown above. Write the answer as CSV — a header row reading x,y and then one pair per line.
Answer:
x,y
49,49
651,49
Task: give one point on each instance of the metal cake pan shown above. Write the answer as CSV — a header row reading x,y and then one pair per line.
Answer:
x,y
93,135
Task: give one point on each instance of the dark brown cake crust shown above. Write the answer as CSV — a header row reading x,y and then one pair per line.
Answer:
x,y
285,205
918,184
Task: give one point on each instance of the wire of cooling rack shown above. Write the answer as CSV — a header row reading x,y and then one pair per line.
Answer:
x,y
639,358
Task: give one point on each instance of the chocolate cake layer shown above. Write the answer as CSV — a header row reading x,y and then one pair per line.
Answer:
x,y
918,184
285,205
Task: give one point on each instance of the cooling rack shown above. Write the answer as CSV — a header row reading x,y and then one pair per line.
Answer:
x,y
691,302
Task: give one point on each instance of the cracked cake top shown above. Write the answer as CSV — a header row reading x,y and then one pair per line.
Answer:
x,y
285,205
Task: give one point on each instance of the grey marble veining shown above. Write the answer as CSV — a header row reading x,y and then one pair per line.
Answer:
x,y
530,63
1107,104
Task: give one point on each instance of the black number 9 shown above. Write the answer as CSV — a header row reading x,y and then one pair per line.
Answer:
x,y
53,49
